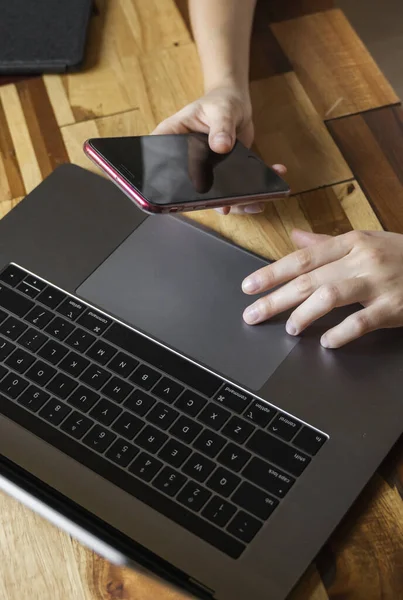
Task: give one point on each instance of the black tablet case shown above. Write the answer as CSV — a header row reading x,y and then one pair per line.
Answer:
x,y
43,36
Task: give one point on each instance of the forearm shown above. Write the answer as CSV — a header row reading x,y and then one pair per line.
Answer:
x,y
222,31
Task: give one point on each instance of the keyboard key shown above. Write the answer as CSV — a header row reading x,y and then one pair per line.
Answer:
x,y
199,467
167,390
54,411
284,426
12,329
77,425
223,482
51,297
62,385
13,385
83,398
12,275
122,364
190,403
162,415
268,477
163,359
36,283
255,501
214,416
20,360
234,457
33,398
74,364
105,411
101,352
174,453
39,317
238,430
259,413
3,315
122,453
53,352
99,438
145,466
233,398
94,321
128,425
145,377
6,348
209,443
95,377
244,527
278,452
193,496
15,303
117,389
309,440
40,372
27,290
151,439
3,371
218,511
169,481
32,339
80,340
59,328
185,429
139,402
71,308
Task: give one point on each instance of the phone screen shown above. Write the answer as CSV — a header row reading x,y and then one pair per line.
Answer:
x,y
179,169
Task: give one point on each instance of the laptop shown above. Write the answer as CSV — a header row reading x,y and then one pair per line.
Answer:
x,y
44,36
140,414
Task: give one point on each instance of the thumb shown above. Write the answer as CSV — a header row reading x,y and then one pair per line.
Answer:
x,y
222,134
302,239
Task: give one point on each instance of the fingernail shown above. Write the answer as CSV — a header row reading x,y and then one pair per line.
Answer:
x,y
254,209
223,138
251,315
290,328
250,285
324,342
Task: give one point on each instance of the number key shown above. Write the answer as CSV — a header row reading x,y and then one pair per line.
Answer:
x,y
54,411
77,425
13,385
99,438
122,453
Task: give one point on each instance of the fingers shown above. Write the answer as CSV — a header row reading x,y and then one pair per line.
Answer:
x,y
353,327
303,239
297,264
324,300
222,134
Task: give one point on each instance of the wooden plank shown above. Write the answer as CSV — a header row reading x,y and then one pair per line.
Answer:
x,y
74,136
11,182
290,131
324,51
279,10
372,144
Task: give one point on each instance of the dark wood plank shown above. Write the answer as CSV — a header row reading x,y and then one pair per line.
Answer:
x,y
6,79
8,162
279,10
323,210
372,144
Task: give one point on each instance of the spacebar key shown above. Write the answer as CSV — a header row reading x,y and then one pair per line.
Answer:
x,y
145,349
13,302
288,458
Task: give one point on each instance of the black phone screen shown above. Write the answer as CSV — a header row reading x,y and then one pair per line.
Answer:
x,y
177,169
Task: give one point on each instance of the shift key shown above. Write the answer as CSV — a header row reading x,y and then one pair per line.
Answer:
x,y
277,452
14,302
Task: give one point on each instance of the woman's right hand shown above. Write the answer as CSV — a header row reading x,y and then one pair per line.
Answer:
x,y
225,114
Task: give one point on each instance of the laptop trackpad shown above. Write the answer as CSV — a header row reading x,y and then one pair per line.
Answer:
x,y
182,286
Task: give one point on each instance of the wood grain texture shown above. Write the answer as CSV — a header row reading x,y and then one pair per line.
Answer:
x,y
290,131
279,10
335,68
372,144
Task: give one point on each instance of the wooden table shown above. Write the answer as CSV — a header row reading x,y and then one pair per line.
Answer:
x,y
323,108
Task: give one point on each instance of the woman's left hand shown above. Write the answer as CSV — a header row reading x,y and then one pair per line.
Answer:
x,y
328,272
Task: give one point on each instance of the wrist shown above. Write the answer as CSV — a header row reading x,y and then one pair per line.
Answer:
x,y
238,85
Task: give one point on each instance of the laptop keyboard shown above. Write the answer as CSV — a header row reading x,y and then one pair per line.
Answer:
x,y
199,450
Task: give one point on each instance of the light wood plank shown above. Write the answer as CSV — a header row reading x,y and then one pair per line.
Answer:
x,y
59,100
290,131
335,68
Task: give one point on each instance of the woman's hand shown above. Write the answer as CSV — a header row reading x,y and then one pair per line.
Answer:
x,y
225,114
328,272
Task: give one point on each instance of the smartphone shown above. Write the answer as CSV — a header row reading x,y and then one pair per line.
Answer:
x,y
172,173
